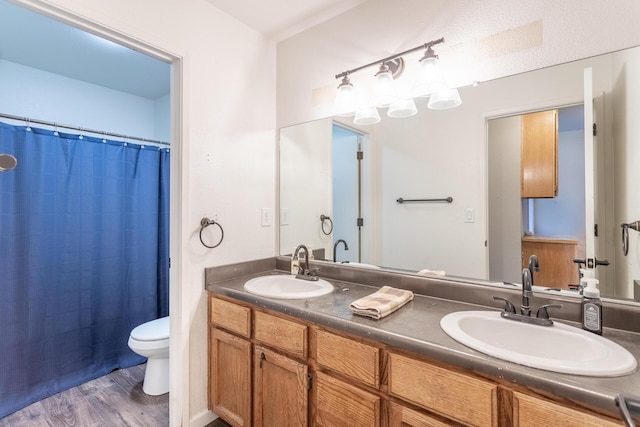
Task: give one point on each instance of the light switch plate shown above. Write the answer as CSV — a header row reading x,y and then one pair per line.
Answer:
x,y
469,215
266,217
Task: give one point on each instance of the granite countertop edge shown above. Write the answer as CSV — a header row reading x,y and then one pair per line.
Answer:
x,y
415,328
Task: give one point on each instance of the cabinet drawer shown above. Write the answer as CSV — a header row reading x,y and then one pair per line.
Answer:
x,y
230,316
349,357
281,334
401,416
460,397
338,404
531,411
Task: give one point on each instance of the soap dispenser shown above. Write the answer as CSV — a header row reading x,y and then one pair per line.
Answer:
x,y
591,306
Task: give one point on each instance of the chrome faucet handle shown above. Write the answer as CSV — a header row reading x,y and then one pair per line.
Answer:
x,y
508,306
542,312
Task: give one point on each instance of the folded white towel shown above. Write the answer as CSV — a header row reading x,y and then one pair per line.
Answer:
x,y
426,271
381,303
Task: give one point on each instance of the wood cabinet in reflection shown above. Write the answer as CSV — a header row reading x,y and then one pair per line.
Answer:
x,y
539,155
555,257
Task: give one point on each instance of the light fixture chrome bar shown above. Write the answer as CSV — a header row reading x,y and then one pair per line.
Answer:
x,y
389,58
97,132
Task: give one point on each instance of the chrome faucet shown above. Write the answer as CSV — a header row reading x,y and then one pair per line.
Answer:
x,y
533,266
335,246
542,314
527,290
305,272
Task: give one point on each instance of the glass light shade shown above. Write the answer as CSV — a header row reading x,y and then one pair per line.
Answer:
x,y
385,90
430,79
442,100
402,108
345,102
367,116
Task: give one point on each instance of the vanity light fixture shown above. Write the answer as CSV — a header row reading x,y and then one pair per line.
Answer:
x,y
430,78
385,92
345,104
430,82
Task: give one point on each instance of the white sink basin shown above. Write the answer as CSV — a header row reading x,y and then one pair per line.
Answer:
x,y
558,348
287,287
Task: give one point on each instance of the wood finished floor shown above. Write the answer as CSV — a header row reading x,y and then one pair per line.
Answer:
x,y
115,400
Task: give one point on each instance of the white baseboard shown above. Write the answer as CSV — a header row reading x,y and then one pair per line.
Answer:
x,y
202,419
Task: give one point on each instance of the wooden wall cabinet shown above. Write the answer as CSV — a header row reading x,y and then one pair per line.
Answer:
x,y
539,155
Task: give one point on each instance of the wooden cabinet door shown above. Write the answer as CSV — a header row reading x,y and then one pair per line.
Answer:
x,y
555,256
530,411
539,154
280,390
338,404
401,416
230,378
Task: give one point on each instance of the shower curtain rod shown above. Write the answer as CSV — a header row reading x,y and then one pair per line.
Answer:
x,y
98,132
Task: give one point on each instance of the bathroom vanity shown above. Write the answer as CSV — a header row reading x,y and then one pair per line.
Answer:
x,y
312,362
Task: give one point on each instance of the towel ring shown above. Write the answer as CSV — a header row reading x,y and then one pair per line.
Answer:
x,y
204,223
324,218
625,235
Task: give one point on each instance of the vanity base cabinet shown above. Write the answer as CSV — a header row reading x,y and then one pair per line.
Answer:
x,y
290,372
230,378
529,411
280,390
338,404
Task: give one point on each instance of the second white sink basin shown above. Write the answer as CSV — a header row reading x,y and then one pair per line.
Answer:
x,y
558,348
287,287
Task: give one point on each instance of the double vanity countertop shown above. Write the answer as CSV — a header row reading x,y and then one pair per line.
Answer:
x,y
416,328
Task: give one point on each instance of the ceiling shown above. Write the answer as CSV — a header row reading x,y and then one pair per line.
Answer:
x,y
36,41
280,19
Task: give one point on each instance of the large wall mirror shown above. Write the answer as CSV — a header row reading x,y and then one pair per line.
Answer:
x,y
474,155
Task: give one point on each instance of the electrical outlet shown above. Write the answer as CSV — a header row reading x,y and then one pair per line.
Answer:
x,y
284,216
469,215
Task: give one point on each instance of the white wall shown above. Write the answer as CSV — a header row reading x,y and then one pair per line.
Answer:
x,y
37,94
226,159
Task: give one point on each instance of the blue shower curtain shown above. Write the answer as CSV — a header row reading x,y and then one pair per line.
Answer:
x,y
84,258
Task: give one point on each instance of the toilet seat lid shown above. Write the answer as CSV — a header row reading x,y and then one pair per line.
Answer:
x,y
152,331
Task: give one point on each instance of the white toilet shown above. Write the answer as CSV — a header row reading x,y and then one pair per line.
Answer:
x,y
151,340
